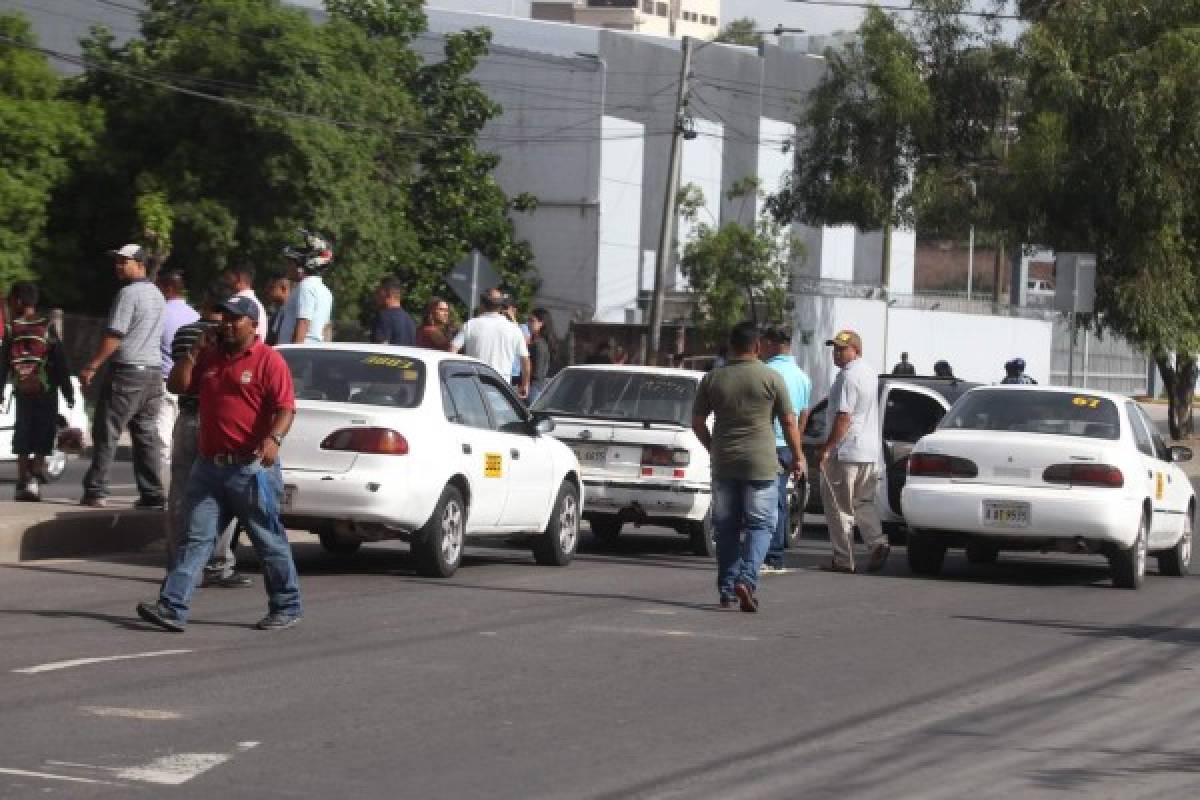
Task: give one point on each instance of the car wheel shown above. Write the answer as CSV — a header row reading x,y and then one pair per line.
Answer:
x,y
555,547
982,553
337,543
56,465
1128,567
926,554
896,532
605,528
438,547
1176,561
700,536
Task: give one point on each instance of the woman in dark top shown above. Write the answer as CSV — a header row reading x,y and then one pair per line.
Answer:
x,y
541,350
434,332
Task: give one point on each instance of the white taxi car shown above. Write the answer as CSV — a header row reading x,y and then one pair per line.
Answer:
x,y
422,446
68,418
1049,468
631,429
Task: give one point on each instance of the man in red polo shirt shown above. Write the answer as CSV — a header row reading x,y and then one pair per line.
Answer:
x,y
246,408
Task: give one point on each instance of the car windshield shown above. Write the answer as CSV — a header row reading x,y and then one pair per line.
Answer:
x,y
349,376
1059,413
620,394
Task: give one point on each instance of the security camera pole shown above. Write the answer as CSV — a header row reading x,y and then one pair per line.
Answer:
x,y
666,239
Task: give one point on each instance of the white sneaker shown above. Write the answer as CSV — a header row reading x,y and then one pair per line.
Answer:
x,y
769,570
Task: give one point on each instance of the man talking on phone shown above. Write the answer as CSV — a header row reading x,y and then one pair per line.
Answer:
x,y
247,404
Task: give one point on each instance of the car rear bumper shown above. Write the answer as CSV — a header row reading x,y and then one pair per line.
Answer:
x,y
647,500
354,497
1100,515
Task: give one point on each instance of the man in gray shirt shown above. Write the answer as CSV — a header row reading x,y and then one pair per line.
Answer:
x,y
132,393
850,457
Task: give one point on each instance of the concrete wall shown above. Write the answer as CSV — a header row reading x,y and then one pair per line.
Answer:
x,y
620,219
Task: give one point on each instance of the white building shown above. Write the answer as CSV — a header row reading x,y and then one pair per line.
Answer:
x,y
698,18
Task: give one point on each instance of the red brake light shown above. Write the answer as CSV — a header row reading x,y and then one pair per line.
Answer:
x,y
381,441
935,465
1101,475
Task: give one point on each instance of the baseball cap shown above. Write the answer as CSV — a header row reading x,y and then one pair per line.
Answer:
x,y
778,333
242,306
846,338
130,251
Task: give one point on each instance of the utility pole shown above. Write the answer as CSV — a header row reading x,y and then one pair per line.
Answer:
x,y
666,238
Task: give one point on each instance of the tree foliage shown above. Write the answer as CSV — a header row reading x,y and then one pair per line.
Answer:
x,y
232,123
1108,163
740,31
40,132
738,272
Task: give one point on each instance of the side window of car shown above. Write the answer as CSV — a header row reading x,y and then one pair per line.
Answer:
x,y
468,408
1161,451
1140,434
508,415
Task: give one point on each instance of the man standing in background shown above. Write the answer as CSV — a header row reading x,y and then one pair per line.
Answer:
x,y
309,307
495,339
392,323
176,314
777,352
240,280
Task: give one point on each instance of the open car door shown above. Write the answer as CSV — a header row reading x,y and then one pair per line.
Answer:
x,y
907,412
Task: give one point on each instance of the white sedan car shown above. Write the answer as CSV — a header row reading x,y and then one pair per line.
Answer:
x,y
631,429
68,418
1049,468
422,446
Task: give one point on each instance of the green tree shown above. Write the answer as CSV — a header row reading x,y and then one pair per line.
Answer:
x,y
1108,163
40,132
736,271
740,31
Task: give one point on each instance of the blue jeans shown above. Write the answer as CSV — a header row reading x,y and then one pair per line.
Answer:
x,y
742,506
252,494
779,539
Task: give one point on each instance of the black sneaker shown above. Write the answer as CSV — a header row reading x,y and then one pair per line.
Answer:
x,y
276,621
150,504
233,580
160,615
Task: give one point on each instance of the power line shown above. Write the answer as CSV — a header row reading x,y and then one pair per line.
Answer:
x,y
904,9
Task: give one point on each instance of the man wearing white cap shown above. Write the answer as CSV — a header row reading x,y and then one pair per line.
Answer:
x,y
132,393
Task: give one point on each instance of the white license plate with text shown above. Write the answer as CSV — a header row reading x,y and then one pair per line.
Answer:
x,y
1005,514
591,456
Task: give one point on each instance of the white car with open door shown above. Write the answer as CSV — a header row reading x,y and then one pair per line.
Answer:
x,y
1050,469
910,407
631,429
422,446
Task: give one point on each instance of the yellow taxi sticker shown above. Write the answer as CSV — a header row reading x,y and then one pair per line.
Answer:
x,y
387,361
409,375
493,465
1086,402
1158,486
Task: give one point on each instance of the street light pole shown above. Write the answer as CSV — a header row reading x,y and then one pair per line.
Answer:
x,y
666,237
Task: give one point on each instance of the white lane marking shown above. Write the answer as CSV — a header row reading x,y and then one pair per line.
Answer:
x,y
80,662
50,777
659,632
175,769
130,713
661,612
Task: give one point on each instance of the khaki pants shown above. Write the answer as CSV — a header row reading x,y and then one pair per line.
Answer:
x,y
848,494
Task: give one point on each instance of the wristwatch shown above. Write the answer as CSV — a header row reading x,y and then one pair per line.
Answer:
x,y
278,437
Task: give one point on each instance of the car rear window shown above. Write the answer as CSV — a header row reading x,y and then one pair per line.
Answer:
x,y
620,394
349,376
1058,413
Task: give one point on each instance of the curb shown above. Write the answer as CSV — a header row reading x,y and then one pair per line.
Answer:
x,y
30,531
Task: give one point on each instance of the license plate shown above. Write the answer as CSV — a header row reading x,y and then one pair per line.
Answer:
x,y
591,456
1005,515
289,496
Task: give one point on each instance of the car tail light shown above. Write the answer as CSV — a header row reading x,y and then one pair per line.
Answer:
x,y
381,441
935,465
1102,475
656,456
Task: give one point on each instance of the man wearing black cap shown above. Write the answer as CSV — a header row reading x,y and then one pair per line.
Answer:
x,y
247,403
133,391
1014,372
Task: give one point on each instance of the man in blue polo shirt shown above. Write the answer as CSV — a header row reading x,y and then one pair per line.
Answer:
x,y
777,352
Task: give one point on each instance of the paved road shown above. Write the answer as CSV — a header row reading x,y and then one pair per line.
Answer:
x,y
615,677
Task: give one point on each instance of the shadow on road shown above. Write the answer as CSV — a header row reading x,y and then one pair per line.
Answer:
x,y
1157,633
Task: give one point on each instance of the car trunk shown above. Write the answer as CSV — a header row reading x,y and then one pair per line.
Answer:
x,y
609,450
315,421
1015,459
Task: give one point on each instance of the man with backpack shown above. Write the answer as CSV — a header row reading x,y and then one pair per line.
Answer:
x,y
35,359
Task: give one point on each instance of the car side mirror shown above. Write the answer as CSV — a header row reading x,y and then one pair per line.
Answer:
x,y
1179,454
541,424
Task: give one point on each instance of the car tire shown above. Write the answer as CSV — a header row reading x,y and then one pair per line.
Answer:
x,y
438,546
56,465
1177,561
896,533
926,554
700,537
982,552
337,544
1128,566
555,547
605,528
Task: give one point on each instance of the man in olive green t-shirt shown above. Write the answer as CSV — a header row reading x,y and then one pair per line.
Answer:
x,y
745,398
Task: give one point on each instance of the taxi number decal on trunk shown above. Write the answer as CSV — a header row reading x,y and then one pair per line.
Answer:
x,y
1158,486
493,465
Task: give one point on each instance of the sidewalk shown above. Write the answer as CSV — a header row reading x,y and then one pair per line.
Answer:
x,y
63,529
